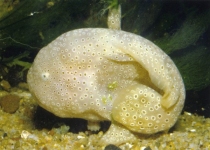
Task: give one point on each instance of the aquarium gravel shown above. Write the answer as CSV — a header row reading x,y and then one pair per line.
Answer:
x,y
18,132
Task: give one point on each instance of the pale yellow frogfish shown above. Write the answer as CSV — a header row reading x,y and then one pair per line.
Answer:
x,y
105,74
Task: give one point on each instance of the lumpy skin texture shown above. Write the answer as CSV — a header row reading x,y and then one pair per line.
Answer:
x,y
104,74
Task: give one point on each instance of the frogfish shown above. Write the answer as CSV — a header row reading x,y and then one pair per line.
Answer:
x,y
101,74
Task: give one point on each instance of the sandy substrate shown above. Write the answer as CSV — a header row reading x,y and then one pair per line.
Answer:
x,y
17,131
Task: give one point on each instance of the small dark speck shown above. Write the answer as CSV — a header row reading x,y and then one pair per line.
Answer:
x,y
5,135
112,147
148,148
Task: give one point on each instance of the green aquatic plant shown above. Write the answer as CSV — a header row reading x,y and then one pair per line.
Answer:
x,y
187,34
6,6
108,4
196,73
13,61
10,62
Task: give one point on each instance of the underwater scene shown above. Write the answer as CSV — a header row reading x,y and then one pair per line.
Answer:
x,y
104,75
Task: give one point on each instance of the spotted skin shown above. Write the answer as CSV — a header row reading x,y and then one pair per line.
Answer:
x,y
104,74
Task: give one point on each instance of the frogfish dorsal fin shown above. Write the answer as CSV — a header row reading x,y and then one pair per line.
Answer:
x,y
114,18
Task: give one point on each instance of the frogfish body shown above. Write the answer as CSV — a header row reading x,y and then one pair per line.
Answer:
x,y
105,74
